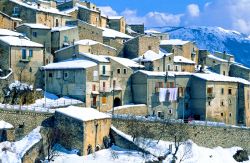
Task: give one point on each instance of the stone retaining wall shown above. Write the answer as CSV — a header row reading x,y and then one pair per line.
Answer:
x,y
138,110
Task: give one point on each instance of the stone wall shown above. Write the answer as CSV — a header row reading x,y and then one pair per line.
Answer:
x,y
4,83
141,110
25,121
207,136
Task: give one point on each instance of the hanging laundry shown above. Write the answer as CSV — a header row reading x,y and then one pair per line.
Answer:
x,y
162,94
173,94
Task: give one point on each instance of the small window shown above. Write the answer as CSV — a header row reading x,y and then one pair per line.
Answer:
x,y
222,91
221,114
149,47
30,53
170,111
176,68
50,75
93,87
230,114
169,59
160,114
209,90
34,34
158,68
66,75
229,102
209,103
24,54
103,70
57,23
213,61
104,100
230,91
125,71
221,103
114,83
169,68
66,39
118,71
224,72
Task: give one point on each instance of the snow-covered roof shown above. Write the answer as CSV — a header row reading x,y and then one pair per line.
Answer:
x,y
98,58
19,41
62,28
173,42
114,34
16,19
151,31
82,114
126,62
161,74
220,78
115,17
76,7
5,125
180,59
216,58
34,6
34,25
150,56
241,66
6,32
70,64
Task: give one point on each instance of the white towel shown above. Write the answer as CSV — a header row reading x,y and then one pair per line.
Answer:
x,y
162,94
173,94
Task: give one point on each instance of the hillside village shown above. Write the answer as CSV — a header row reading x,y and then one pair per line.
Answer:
x,y
74,78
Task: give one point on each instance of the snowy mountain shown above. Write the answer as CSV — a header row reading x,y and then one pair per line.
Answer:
x,y
214,39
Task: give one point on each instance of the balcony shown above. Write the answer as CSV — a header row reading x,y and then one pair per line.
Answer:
x,y
210,96
104,89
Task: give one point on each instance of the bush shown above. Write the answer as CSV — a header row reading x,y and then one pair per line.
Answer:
x,y
241,155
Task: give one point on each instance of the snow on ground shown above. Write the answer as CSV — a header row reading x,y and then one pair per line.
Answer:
x,y
5,125
52,101
114,154
16,150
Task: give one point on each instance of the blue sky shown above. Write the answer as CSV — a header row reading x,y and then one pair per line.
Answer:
x,y
229,14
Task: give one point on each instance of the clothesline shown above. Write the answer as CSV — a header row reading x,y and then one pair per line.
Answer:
x,y
168,94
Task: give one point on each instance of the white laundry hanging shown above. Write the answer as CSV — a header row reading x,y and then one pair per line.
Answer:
x,y
162,94
173,94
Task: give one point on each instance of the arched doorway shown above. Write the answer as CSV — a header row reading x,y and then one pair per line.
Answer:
x,y
117,102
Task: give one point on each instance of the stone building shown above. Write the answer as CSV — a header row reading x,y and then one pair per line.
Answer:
x,y
9,22
6,131
115,39
87,31
84,46
183,64
24,57
117,23
186,49
139,45
138,28
35,12
239,70
146,86
218,98
161,36
37,33
84,129
63,37
156,62
73,77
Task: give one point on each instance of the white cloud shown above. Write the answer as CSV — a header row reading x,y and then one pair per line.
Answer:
x,y
152,18
193,10
107,10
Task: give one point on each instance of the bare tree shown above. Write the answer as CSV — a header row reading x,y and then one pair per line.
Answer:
x,y
20,68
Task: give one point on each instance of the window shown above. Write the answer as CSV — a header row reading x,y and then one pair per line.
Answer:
x,y
118,71
221,114
222,91
34,34
66,39
224,72
160,114
66,75
149,47
169,68
114,83
125,71
213,61
169,59
30,53
50,75
103,70
16,11
209,90
222,103
176,68
15,24
93,87
230,91
103,85
229,102
209,103
170,84
230,114
24,54
30,70
181,91
158,85
104,100
57,23
170,111
158,68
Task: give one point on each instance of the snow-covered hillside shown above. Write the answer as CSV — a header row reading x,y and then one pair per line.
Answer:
x,y
214,39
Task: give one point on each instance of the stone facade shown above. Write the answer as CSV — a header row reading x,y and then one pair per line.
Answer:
x,y
40,15
8,22
62,37
87,31
139,28
238,70
24,70
207,136
138,110
82,134
139,45
117,23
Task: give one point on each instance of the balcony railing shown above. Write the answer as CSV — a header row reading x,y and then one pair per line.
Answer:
x,y
104,89
210,95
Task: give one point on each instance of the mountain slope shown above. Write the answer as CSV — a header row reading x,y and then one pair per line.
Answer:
x,y
214,39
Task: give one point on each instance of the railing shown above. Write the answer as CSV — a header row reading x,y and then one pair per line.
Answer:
x,y
210,95
104,89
